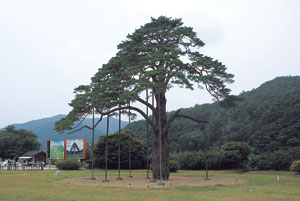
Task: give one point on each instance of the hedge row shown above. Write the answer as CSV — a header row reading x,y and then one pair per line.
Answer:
x,y
67,164
197,160
278,160
219,159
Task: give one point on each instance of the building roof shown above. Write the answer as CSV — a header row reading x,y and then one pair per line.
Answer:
x,y
33,153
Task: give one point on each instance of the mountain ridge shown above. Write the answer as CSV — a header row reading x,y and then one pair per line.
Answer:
x,y
44,129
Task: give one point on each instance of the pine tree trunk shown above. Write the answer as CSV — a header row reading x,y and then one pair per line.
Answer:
x,y
156,157
165,149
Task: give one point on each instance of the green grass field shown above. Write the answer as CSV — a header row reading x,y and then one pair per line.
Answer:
x,y
44,185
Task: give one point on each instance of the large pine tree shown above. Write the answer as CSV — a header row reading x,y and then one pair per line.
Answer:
x,y
157,56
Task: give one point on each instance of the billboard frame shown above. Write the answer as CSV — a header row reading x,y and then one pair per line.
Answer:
x,y
48,154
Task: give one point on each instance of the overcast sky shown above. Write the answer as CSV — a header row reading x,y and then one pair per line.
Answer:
x,y
47,48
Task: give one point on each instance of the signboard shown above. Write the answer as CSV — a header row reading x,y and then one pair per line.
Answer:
x,y
66,149
75,148
57,149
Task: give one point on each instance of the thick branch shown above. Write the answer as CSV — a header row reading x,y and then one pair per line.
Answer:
x,y
82,120
170,121
85,126
177,115
193,119
147,104
131,108
215,94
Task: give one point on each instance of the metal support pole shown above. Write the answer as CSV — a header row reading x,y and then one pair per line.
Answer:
x,y
160,134
106,149
147,131
119,146
206,156
129,143
93,138
153,118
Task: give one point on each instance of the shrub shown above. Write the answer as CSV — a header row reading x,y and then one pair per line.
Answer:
x,y
266,161
189,160
295,166
67,164
138,159
235,154
283,160
174,166
215,159
253,161
196,160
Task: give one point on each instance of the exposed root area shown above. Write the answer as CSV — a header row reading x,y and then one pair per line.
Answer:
x,y
142,182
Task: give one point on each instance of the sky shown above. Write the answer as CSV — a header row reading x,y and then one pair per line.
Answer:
x,y
57,143
47,48
71,142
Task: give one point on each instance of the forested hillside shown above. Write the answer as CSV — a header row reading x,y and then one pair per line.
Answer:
x,y
268,120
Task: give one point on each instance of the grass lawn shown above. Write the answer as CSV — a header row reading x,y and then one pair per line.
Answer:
x,y
44,185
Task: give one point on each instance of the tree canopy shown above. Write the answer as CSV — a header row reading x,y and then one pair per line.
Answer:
x,y
14,143
157,56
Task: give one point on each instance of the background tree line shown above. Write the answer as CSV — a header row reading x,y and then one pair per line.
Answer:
x,y
267,120
14,143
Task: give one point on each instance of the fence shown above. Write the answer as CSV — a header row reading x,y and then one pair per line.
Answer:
x,y
22,166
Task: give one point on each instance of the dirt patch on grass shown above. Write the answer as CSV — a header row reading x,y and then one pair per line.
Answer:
x,y
142,182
